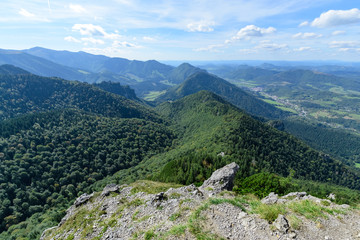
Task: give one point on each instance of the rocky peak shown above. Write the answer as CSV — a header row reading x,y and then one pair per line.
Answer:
x,y
188,212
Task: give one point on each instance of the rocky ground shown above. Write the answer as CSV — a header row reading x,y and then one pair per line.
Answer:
x,y
208,212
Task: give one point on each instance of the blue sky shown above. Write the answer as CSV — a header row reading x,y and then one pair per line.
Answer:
x,y
187,29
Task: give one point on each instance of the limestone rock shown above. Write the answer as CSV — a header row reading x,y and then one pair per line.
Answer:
x,y
221,179
272,198
82,199
109,189
282,224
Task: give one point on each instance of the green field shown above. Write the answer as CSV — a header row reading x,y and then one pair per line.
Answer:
x,y
151,96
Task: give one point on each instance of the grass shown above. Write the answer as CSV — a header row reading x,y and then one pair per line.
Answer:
x,y
357,165
270,212
152,95
309,209
152,187
294,221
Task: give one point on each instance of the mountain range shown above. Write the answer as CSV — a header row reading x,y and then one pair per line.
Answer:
x,y
62,138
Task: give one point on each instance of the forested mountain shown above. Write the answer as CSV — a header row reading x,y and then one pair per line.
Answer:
x,y
204,81
213,126
52,157
118,89
28,93
11,70
182,72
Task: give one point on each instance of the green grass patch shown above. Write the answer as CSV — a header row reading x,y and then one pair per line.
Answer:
x,y
269,212
272,102
152,95
286,109
309,209
152,187
357,165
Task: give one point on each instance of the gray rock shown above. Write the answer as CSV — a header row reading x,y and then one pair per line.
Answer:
x,y
82,199
221,179
331,196
109,189
282,224
295,195
272,198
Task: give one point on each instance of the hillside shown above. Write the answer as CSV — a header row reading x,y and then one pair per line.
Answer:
x,y
212,126
30,93
11,70
47,159
204,81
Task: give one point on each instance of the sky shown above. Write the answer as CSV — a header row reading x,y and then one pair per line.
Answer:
x,y
293,30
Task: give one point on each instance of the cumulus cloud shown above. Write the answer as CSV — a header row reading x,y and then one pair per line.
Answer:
x,y
304,24
72,39
251,31
77,8
124,44
94,30
302,49
337,17
345,44
337,33
307,35
201,26
271,46
92,40
26,13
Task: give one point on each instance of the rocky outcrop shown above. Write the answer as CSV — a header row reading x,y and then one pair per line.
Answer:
x,y
188,212
222,179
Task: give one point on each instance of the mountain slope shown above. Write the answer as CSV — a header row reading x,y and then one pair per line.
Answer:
x,y
11,70
204,81
182,72
54,156
213,126
30,93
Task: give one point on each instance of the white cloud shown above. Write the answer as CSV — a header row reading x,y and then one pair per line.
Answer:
x,y
202,26
271,46
94,30
124,44
77,8
149,39
25,13
71,39
89,29
345,44
210,48
92,40
251,31
307,35
302,49
337,33
304,24
337,17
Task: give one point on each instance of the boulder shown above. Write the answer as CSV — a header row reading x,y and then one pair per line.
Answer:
x,y
282,224
272,198
82,199
222,179
109,189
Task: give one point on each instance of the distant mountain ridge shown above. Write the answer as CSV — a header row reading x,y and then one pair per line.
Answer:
x,y
205,81
91,68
